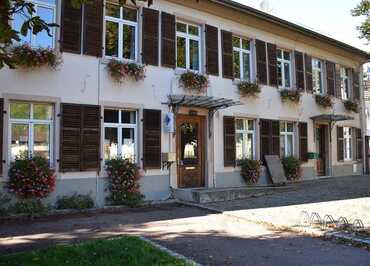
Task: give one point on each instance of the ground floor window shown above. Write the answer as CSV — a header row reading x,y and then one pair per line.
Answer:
x,y
347,137
245,138
286,139
120,134
31,130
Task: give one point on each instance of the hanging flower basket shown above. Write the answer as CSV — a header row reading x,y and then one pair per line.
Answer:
x,y
246,88
324,101
121,71
290,95
251,170
194,81
351,106
24,56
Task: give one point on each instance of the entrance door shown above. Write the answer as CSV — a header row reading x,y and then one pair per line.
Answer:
x,y
321,149
190,151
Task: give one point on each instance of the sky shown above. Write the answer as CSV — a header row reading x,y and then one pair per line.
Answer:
x,y
329,17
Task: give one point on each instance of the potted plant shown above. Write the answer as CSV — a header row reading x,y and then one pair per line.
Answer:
x,y
121,71
292,168
290,95
250,170
247,88
324,101
351,106
194,81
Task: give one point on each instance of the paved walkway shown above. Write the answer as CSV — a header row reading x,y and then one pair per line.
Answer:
x,y
210,239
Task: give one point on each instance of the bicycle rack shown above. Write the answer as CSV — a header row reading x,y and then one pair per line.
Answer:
x,y
357,225
342,222
328,221
315,219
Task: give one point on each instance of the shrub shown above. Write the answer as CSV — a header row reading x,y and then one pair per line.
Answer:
x,y
28,206
246,88
290,95
351,106
76,202
26,57
4,201
121,71
324,101
292,168
31,178
194,81
250,170
123,179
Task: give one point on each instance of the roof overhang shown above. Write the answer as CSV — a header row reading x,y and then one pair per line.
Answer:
x,y
330,118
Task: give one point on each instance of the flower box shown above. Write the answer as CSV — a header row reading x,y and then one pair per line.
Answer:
x,y
351,106
324,101
247,88
290,95
194,81
121,71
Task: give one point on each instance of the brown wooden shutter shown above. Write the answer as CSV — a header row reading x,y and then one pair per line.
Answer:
x,y
71,19
79,138
272,64
299,70
168,30
275,137
340,144
229,141
269,137
338,81
261,62
211,50
308,73
152,135
1,135
359,144
356,85
330,78
303,141
150,32
93,28
227,54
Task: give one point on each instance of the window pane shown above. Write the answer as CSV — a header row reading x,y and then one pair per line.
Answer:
x,y
110,116
128,117
236,64
111,39
129,14
287,75
42,38
279,74
282,145
289,148
194,54
189,143
245,44
19,140
249,146
289,127
239,146
236,42
194,30
128,42
41,142
112,10
239,124
48,1
250,125
246,67
17,24
181,27
278,53
128,143
181,52
20,110
282,126
286,55
42,111
110,143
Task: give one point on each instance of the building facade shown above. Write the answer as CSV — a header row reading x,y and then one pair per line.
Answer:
x,y
78,116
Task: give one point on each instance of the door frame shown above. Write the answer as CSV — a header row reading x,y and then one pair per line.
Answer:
x,y
202,121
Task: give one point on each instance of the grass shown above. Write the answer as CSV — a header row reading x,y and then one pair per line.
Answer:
x,y
127,250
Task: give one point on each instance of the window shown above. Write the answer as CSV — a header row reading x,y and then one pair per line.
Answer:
x,y
45,9
284,68
120,134
286,139
31,128
120,32
242,58
344,84
245,139
188,46
317,80
347,142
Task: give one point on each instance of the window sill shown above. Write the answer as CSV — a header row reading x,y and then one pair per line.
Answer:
x,y
106,59
180,71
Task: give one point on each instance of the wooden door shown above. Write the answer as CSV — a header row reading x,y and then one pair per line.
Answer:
x,y
321,150
190,151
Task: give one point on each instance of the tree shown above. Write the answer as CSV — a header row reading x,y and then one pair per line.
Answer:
x,y
9,36
363,9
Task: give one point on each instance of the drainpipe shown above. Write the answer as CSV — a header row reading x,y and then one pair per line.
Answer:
x,y
97,173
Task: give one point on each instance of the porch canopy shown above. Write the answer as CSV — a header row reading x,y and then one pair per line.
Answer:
x,y
331,118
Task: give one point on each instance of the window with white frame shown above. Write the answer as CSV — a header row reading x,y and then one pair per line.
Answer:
x,y
344,84
245,138
284,68
347,142
242,58
120,32
46,10
188,51
120,134
286,139
317,76
31,130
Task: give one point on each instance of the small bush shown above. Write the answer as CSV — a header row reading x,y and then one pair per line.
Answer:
x,y
290,95
250,170
246,88
31,207
292,168
123,179
4,202
75,202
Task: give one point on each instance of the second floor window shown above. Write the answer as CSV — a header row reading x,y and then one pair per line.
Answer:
x,y
284,66
242,58
317,81
245,139
45,9
344,78
286,139
347,137
120,32
188,46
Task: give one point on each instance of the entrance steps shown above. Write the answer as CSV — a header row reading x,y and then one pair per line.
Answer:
x,y
208,195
